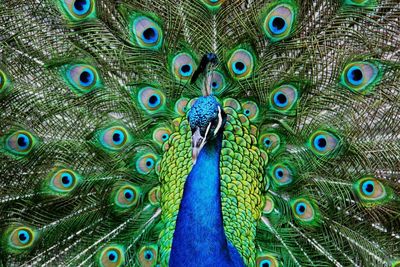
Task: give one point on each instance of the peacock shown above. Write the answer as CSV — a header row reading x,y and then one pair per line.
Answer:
x,y
200,133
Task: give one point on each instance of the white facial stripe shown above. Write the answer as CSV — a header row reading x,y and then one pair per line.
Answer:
x,y
219,121
205,135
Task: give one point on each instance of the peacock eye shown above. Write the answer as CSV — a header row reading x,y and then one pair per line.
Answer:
x,y
270,141
127,196
4,82
323,143
21,238
114,138
146,163
269,205
266,260
183,66
370,190
83,78
151,99
213,4
181,106
241,64
217,81
64,181
154,196
148,33
279,22
20,143
283,98
161,135
112,256
281,174
303,210
250,110
78,10
148,255
359,77
357,2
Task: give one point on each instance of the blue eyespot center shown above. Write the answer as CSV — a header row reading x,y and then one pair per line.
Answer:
x,y
165,137
150,35
186,70
81,7
320,142
86,78
118,137
112,256
265,263
279,173
277,25
368,188
239,67
154,101
23,236
267,142
149,163
247,112
214,85
148,255
129,194
301,208
355,75
66,179
23,141
280,99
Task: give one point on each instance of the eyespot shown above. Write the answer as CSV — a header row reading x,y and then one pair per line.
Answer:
x,y
20,143
270,141
303,210
112,256
323,143
148,255
64,181
146,163
250,109
241,64
269,205
266,260
369,189
161,135
213,4
148,33
4,82
283,98
20,238
181,106
281,174
114,138
155,196
151,99
279,22
361,3
216,80
83,78
127,196
78,10
183,66
360,77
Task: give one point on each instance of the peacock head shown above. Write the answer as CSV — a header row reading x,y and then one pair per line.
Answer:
x,y
207,119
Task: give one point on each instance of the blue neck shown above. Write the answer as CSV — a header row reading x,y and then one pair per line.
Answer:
x,y
199,237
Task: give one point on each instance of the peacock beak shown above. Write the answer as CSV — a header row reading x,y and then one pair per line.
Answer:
x,y
198,142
